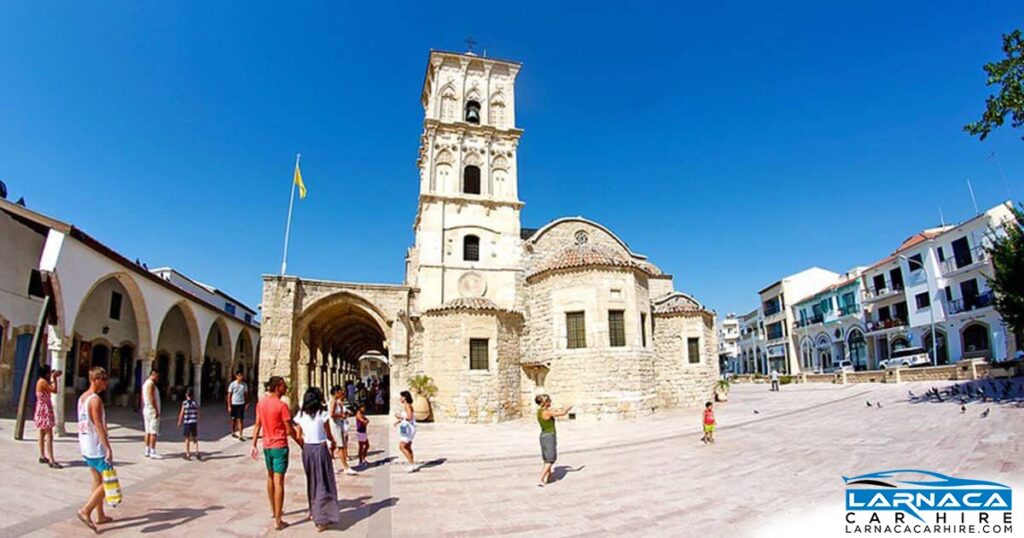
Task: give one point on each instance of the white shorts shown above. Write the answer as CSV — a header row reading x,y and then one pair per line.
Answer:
x,y
151,423
340,434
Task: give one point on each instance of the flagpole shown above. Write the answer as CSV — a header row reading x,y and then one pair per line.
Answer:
x,y
288,226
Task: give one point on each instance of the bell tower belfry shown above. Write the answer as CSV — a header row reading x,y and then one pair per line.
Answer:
x,y
467,223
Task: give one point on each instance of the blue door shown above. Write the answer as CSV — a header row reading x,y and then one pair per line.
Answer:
x,y
22,344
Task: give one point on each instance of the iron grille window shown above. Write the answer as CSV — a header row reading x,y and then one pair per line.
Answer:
x,y
471,248
693,350
923,300
576,330
616,328
478,354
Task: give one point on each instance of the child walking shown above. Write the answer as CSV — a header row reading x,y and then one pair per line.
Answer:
x,y
188,421
709,424
364,441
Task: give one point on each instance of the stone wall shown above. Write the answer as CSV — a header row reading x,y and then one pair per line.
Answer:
x,y
466,395
679,383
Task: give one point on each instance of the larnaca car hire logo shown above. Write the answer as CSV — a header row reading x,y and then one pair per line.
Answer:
x,y
910,501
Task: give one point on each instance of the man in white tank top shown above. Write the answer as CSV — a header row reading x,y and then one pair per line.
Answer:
x,y
151,413
95,446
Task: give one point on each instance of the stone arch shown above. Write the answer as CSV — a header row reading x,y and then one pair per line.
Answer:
x,y
447,101
551,226
806,352
179,323
975,340
192,324
216,360
92,323
245,351
135,298
343,326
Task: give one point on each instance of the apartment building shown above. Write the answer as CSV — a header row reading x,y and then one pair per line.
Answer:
x,y
830,325
778,315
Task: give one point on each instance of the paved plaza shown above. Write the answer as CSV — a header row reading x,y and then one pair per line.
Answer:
x,y
776,467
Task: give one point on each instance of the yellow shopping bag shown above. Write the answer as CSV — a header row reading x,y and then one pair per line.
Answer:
x,y
111,487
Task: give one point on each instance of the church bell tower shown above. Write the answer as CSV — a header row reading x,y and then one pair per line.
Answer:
x,y
467,224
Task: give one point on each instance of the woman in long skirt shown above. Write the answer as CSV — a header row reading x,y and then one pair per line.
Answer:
x,y
314,425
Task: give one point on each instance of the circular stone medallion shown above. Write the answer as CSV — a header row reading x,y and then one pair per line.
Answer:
x,y
472,285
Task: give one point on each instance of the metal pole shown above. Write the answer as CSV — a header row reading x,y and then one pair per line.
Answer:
x,y
26,380
288,225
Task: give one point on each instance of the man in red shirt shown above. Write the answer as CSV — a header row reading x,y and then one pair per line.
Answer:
x,y
275,421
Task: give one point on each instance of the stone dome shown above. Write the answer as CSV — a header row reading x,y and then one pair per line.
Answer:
x,y
469,304
587,255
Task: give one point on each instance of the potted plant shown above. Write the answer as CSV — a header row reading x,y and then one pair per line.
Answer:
x,y
423,389
722,390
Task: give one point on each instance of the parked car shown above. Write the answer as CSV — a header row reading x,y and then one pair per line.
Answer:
x,y
908,357
841,366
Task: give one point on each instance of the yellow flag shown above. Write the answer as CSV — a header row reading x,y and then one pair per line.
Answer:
x,y
298,181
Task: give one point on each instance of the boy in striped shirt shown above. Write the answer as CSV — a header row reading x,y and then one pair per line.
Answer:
x,y
188,421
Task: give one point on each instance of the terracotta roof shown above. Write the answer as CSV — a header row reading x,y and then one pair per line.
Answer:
x,y
678,303
911,241
590,255
469,303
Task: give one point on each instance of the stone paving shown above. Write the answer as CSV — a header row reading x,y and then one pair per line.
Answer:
x,y
776,467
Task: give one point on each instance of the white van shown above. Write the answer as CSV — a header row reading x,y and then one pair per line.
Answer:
x,y
907,357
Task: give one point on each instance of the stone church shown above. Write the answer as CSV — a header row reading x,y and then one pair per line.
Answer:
x,y
493,312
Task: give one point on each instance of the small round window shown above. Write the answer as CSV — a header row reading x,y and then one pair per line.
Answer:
x,y
581,237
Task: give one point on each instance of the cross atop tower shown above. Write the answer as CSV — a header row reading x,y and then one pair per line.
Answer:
x,y
469,43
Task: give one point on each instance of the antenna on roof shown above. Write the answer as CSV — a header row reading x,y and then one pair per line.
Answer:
x,y
994,156
942,219
973,199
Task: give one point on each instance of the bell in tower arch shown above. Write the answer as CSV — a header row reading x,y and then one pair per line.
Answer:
x,y
473,112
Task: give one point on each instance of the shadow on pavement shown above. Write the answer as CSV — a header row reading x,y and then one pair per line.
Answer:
x,y
433,463
558,473
161,519
355,510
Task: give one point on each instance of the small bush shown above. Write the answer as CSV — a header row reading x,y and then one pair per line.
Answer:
x,y
785,379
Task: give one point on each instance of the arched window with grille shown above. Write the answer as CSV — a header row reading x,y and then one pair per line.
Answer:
x,y
471,180
471,248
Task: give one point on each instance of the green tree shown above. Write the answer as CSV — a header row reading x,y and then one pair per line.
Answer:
x,y
1007,252
1009,75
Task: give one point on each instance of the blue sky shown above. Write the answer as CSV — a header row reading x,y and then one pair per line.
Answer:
x,y
733,143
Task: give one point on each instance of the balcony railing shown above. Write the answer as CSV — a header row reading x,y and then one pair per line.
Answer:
x,y
886,324
849,310
957,306
807,322
973,256
874,294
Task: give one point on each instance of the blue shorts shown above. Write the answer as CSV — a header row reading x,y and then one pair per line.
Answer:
x,y
98,464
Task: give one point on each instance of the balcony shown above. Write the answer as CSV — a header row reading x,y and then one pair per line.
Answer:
x,y
877,294
849,310
976,257
884,325
959,306
807,322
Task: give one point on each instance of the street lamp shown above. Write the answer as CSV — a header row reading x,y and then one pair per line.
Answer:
x,y
931,305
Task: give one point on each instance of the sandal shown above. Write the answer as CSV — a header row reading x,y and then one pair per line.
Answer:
x,y
55,465
87,522
44,460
